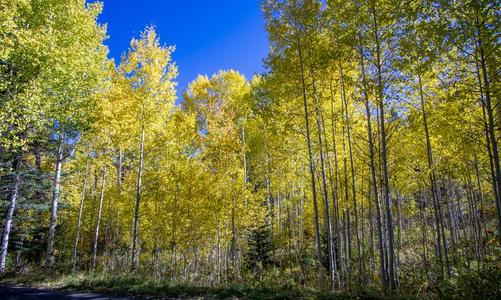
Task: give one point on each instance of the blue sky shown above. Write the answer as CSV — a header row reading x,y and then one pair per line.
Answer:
x,y
208,34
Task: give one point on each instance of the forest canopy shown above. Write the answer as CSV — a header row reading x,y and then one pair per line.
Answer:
x,y
365,156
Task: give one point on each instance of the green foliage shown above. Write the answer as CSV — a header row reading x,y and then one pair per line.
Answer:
x,y
260,248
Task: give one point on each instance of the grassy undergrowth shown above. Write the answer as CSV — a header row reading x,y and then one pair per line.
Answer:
x,y
137,286
469,285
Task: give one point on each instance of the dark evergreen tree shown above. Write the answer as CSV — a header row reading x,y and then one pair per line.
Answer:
x,y
260,252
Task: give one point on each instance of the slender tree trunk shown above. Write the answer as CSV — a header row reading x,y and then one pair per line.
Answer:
x,y
453,226
119,170
347,249
327,221
433,183
219,271
481,210
384,152
244,154
108,234
381,193
442,229
312,168
18,254
134,256
490,127
362,231
9,218
98,222
335,276
371,230
353,179
374,180
156,254
79,220
55,202
233,245
347,237
399,228
335,191
487,139
476,230
424,235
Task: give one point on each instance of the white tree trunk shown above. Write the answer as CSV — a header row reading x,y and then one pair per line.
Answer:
x,y
55,202
79,221
9,217
100,207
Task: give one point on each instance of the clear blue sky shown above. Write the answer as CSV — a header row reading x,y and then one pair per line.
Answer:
x,y
208,34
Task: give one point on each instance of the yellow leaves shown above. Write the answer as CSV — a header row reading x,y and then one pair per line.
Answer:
x,y
150,73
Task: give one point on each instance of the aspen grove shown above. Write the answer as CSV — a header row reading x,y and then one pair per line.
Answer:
x,y
365,156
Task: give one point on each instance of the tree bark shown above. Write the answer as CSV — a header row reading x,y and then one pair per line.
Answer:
x,y
119,170
312,168
79,220
352,171
134,257
441,242
55,202
384,154
327,221
9,218
490,126
424,235
98,222
333,225
374,180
